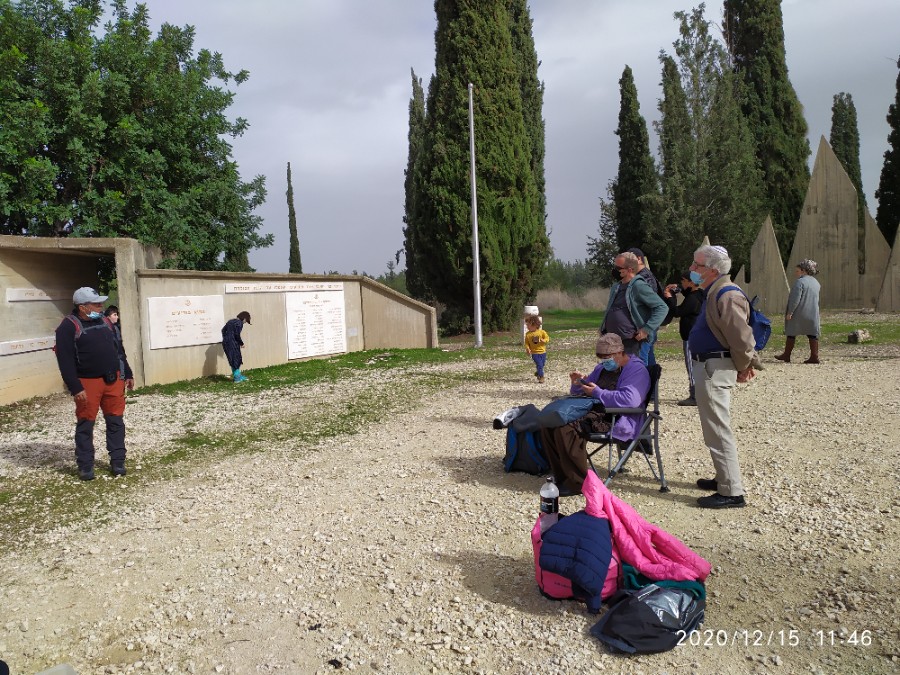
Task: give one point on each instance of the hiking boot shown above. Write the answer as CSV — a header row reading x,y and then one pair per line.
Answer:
x,y
117,467
707,484
717,501
86,474
691,401
540,380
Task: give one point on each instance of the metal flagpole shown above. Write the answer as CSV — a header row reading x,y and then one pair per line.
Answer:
x,y
476,265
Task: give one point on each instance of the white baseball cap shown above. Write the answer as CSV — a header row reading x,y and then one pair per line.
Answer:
x,y
85,294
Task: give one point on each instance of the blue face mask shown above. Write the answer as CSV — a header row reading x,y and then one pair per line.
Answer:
x,y
696,278
609,364
94,315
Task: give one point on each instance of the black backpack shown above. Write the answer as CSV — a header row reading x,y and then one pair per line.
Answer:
x,y
650,619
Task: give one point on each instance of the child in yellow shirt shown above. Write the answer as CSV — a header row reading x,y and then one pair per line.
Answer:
x,y
536,340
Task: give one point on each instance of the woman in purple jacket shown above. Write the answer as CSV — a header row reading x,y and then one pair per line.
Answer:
x,y
618,381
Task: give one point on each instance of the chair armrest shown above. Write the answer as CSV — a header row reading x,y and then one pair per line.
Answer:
x,y
625,411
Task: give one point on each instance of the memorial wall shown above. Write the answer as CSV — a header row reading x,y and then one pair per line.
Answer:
x,y
291,319
172,319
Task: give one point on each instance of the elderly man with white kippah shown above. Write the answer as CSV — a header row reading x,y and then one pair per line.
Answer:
x,y
723,350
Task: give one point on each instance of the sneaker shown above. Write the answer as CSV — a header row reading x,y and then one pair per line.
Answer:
x,y
86,474
240,379
117,467
688,401
504,419
707,484
717,501
540,380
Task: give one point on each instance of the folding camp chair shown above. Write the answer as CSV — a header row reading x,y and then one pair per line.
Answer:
x,y
648,435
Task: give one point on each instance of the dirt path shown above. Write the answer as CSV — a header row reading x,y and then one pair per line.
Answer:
x,y
405,548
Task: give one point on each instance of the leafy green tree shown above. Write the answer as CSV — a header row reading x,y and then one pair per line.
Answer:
x,y
125,134
711,182
844,140
636,183
415,228
888,192
754,34
473,43
295,266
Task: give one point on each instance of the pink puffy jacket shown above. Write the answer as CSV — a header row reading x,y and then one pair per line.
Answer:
x,y
648,548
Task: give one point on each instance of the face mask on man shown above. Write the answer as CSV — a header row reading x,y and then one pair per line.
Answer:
x,y
696,278
94,315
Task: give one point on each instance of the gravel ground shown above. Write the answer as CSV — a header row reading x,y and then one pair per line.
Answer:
x,y
404,548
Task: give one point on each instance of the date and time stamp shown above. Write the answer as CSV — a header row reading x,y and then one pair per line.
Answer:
x,y
787,637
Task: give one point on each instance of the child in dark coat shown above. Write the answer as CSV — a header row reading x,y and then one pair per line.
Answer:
x,y
232,344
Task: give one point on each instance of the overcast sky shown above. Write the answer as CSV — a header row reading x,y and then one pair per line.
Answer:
x,y
329,92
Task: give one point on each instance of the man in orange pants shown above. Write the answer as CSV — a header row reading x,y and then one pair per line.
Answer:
x,y
94,367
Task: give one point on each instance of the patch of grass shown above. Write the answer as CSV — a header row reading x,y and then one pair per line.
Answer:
x,y
307,372
175,456
882,332
572,319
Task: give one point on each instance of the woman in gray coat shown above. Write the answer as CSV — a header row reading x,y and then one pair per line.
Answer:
x,y
802,314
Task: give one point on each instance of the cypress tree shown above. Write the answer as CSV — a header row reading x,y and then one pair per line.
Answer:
x,y
711,182
674,127
532,93
294,264
412,187
844,139
888,192
473,43
671,234
636,181
603,249
754,34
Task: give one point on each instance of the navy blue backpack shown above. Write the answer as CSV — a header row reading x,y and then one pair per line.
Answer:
x,y
524,451
759,323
